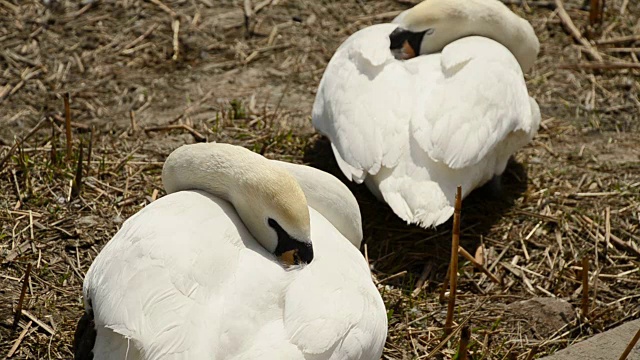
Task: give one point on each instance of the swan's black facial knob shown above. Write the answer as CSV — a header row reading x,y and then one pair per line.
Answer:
x,y
406,44
290,250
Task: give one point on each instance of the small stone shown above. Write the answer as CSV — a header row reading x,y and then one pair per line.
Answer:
x,y
546,315
90,220
604,346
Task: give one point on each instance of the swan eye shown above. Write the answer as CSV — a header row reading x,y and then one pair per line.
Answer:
x,y
290,250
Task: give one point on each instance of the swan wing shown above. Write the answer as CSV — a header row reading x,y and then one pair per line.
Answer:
x,y
164,287
479,102
363,104
336,312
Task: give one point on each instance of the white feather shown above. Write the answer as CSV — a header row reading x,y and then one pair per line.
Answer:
x,y
413,130
184,279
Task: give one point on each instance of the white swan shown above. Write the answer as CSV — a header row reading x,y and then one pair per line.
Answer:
x,y
414,129
194,275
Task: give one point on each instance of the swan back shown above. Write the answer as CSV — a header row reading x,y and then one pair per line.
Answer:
x,y
268,199
450,20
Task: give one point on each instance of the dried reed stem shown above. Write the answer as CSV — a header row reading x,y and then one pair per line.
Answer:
x,y
630,346
89,150
465,336
445,285
453,268
607,231
595,12
585,286
54,153
25,283
67,123
77,181
248,12
532,352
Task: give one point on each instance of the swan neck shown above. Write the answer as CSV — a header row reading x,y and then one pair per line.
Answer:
x,y
455,19
196,167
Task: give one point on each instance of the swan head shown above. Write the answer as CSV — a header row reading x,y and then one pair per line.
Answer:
x,y
275,211
430,25
268,199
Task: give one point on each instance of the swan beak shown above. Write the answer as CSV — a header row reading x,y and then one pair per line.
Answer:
x,y
407,51
405,44
300,255
289,257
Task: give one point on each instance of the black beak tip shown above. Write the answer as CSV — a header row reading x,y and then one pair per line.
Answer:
x,y
398,37
305,253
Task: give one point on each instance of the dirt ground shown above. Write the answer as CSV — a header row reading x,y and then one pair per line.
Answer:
x,y
572,194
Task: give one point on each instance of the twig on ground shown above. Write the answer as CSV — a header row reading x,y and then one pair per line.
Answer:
x,y
423,277
165,8
478,266
616,240
620,39
542,4
60,120
141,37
261,5
623,7
601,66
196,135
132,118
566,20
248,13
38,322
175,26
16,344
448,337
19,143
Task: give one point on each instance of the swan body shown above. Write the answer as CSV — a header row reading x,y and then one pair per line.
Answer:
x,y
186,278
412,130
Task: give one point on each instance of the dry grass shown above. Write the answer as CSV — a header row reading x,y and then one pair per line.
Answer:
x,y
573,193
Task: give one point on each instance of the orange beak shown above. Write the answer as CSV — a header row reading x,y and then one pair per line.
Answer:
x,y
289,257
407,50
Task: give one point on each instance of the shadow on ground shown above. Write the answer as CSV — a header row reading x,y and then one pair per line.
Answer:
x,y
393,246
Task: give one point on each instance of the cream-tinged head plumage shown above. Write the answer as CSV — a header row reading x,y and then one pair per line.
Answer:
x,y
268,199
432,24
